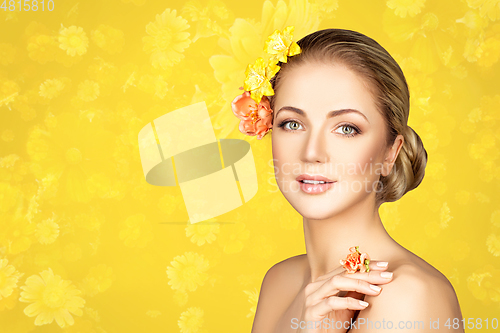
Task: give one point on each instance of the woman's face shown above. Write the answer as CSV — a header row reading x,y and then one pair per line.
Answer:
x,y
326,124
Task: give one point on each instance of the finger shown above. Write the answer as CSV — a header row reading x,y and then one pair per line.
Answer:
x,y
373,277
353,294
338,270
376,265
324,307
313,286
340,282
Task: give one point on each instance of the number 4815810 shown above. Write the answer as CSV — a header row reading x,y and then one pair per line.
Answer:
x,y
27,5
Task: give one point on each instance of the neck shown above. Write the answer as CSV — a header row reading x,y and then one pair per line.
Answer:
x,y
329,240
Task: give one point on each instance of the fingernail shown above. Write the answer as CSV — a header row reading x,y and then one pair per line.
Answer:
x,y
374,287
386,275
363,303
382,263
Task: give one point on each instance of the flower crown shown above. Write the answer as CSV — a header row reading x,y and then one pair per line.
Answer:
x,y
253,107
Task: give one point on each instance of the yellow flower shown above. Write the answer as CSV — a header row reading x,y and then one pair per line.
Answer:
x,y
495,218
482,283
245,44
9,302
72,252
42,48
9,90
16,233
92,313
104,186
201,233
9,277
7,53
105,74
51,297
167,39
191,320
98,280
232,236
209,18
51,88
47,231
88,90
8,136
180,297
135,2
73,40
154,84
432,44
9,196
474,22
493,243
136,231
404,7
490,52
490,8
279,44
263,247
473,50
445,216
187,271
253,297
108,38
153,313
257,79
68,150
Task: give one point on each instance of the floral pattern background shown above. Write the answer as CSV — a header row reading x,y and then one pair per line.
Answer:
x,y
86,245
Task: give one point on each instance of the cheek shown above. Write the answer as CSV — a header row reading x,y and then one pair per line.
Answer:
x,y
282,159
363,160
277,150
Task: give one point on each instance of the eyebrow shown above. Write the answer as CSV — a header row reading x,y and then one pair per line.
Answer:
x,y
330,114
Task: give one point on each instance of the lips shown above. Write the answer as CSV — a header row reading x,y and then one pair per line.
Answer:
x,y
320,178
314,184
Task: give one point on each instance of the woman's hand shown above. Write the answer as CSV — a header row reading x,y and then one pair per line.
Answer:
x,y
336,297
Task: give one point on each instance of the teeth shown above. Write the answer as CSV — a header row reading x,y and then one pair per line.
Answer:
x,y
307,181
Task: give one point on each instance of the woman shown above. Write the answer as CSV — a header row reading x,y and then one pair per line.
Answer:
x,y
340,113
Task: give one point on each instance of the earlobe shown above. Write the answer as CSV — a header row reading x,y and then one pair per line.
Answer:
x,y
392,154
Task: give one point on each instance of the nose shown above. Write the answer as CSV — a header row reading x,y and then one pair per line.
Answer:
x,y
314,149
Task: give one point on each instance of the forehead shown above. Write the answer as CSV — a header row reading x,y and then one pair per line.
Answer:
x,y
318,88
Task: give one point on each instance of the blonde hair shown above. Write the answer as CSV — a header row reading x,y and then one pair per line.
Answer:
x,y
387,85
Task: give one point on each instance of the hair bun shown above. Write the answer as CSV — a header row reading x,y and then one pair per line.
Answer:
x,y
409,168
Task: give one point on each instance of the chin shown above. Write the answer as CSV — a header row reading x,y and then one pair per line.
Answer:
x,y
317,207
316,213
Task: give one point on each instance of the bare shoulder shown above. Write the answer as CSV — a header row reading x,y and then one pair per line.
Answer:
x,y
279,287
295,264
285,275
418,293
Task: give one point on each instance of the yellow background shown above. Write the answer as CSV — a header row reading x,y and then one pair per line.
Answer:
x,y
73,197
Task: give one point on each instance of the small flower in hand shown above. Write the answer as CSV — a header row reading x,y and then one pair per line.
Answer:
x,y
356,261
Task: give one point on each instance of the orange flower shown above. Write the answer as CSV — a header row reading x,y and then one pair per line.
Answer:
x,y
356,261
256,119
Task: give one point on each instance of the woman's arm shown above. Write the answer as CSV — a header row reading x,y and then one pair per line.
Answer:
x,y
414,302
